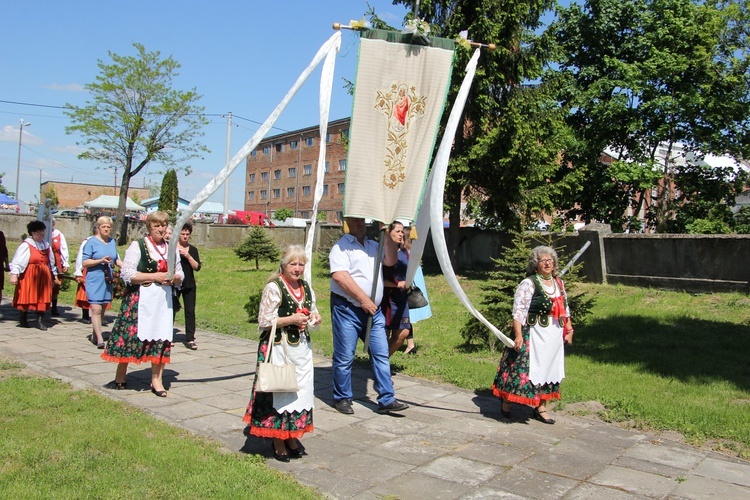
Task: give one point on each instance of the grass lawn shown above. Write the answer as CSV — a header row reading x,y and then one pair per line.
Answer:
x,y
64,443
655,359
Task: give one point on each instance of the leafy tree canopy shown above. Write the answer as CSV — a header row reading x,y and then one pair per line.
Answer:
x,y
258,245
135,118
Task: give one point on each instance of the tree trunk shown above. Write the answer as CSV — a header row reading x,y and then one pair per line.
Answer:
x,y
120,229
453,199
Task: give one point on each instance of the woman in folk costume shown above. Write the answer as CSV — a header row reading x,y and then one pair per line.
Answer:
x,y
32,271
143,330
290,302
531,372
62,260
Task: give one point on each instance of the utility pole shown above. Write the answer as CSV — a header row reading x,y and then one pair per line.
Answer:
x,y
18,165
226,182
299,173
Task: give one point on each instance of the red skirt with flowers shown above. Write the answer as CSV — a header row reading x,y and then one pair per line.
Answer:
x,y
262,418
124,346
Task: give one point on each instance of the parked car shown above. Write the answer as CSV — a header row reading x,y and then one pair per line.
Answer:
x,y
68,214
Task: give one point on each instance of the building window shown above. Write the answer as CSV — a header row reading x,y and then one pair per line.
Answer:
x,y
309,141
325,188
342,165
252,178
304,215
264,176
266,150
345,133
279,148
341,188
253,153
277,193
328,166
263,194
305,190
293,145
277,174
328,137
292,172
251,196
308,169
290,192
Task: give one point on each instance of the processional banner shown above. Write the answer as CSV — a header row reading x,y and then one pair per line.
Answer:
x,y
400,93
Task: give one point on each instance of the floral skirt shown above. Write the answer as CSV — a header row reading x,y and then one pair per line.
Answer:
x,y
512,380
124,346
262,418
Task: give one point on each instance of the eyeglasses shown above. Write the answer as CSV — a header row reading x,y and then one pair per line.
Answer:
x,y
546,261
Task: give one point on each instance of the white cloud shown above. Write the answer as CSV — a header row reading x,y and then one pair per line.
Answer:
x,y
70,150
9,133
68,87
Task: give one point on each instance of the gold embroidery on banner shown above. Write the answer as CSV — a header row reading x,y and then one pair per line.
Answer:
x,y
401,103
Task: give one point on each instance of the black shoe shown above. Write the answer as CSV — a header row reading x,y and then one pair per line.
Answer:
x,y
161,394
505,413
295,452
396,405
86,321
344,406
538,416
23,322
278,456
55,312
41,325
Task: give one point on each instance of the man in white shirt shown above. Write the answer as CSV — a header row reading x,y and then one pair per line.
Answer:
x,y
352,261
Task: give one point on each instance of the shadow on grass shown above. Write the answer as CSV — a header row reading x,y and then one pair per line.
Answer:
x,y
686,349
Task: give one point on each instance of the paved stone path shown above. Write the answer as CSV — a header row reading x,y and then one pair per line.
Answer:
x,y
451,443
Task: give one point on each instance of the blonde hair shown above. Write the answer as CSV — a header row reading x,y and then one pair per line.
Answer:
x,y
104,219
156,217
291,252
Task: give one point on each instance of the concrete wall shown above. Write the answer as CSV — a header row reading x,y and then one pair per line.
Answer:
x,y
698,263
204,235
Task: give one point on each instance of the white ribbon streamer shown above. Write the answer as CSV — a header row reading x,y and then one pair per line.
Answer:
x,y
332,44
326,87
432,206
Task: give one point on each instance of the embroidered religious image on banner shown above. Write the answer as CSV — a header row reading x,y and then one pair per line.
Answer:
x,y
400,94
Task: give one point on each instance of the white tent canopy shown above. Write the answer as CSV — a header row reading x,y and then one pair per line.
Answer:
x,y
107,201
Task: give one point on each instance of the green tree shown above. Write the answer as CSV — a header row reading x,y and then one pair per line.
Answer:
x,y
170,194
258,245
283,214
2,188
520,57
136,118
644,78
51,194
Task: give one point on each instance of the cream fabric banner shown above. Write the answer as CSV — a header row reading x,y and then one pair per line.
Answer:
x,y
400,93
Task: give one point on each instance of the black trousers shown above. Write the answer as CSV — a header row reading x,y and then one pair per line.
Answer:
x,y
188,305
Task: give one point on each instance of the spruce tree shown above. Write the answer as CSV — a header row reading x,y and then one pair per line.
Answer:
x,y
258,245
500,288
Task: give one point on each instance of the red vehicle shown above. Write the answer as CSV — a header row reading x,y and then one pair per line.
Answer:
x,y
253,218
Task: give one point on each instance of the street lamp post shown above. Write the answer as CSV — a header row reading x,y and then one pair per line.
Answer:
x,y
18,165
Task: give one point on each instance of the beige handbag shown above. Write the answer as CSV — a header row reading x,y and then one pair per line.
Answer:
x,y
276,378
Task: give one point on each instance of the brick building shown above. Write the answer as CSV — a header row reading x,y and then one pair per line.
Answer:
x,y
72,195
281,172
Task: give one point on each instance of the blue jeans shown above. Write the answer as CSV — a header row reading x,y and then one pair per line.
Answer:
x,y
349,324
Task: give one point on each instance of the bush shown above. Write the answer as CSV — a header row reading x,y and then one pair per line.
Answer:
x,y
283,214
253,306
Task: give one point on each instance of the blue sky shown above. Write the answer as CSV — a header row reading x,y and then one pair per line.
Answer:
x,y
241,55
